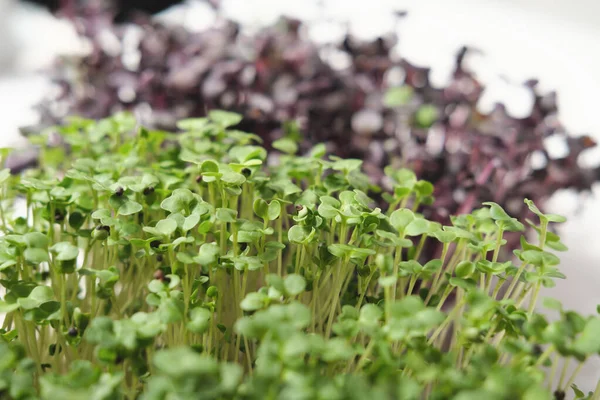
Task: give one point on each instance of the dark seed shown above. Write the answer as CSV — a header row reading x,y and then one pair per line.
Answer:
x,y
58,215
559,395
159,257
246,172
199,179
154,244
299,208
148,191
119,191
72,331
103,228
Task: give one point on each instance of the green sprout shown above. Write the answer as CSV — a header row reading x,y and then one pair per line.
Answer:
x,y
190,265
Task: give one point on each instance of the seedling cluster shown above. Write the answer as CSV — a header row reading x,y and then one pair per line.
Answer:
x,y
196,265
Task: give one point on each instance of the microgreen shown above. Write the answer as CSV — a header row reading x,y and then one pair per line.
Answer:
x,y
191,265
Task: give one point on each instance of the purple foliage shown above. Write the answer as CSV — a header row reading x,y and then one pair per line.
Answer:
x,y
278,75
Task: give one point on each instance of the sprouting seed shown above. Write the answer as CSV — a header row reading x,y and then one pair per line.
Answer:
x,y
159,275
101,232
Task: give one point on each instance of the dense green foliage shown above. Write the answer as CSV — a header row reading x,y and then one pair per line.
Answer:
x,y
191,265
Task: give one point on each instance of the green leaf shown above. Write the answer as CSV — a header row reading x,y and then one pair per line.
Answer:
x,y
286,145
426,115
76,220
36,256
274,210
465,284
209,166
130,207
233,178
387,281
253,301
511,225
166,226
294,284
318,151
556,218
424,188
327,211
417,227
548,217
464,269
181,363
552,304
578,393
231,376
275,281
300,234
4,175
225,118
588,341
337,349
178,201
209,254
260,208
190,222
36,240
38,296
199,320
497,212
156,286
101,214
398,96
248,155
346,165
226,215
340,250
65,251
400,219
539,258
444,237
244,263
193,124
533,208
536,392
433,265
7,264
370,315
170,310
5,307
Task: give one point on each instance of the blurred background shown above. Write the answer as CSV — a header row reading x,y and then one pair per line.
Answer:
x,y
516,40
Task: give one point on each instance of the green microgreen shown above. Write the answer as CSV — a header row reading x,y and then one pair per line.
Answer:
x,y
156,265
